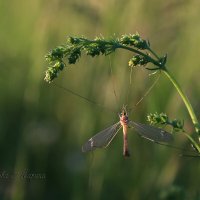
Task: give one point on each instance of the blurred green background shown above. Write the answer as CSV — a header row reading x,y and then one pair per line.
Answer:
x,y
42,127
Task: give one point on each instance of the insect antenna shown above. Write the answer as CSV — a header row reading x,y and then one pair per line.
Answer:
x,y
82,97
187,152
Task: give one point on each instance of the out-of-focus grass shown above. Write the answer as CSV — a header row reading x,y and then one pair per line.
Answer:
x,y
42,127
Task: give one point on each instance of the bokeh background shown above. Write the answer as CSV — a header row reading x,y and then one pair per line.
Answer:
x,y
43,127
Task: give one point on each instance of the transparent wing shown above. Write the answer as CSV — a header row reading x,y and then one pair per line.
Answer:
x,y
102,139
151,133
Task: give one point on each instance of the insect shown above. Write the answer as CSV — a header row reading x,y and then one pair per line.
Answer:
x,y
105,137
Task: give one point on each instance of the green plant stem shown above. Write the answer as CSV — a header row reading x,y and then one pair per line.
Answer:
x,y
184,98
188,106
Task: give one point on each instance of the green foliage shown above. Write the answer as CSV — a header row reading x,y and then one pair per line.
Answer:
x,y
70,52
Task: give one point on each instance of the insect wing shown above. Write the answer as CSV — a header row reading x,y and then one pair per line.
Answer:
x,y
102,139
150,132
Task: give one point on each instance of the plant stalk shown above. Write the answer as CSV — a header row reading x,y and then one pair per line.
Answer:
x,y
184,98
188,106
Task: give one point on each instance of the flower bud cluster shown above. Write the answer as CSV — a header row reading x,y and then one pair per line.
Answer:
x,y
134,40
138,60
163,119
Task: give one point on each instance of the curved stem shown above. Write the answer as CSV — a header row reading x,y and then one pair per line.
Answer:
x,y
188,106
185,100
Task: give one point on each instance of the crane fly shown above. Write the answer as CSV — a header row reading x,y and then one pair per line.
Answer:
x,y
105,137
